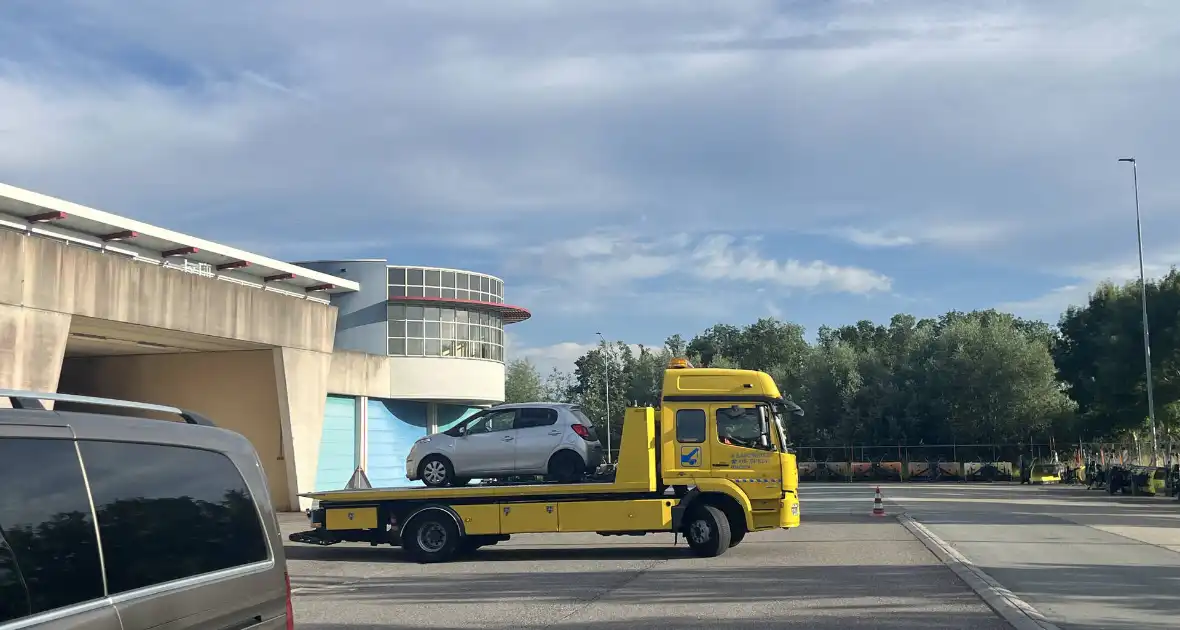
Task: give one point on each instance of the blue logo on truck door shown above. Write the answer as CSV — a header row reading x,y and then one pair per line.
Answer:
x,y
690,456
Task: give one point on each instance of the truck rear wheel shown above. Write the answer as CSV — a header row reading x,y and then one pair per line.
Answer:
x,y
431,536
707,531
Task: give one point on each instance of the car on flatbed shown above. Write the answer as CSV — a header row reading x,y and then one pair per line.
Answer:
x,y
713,463
523,439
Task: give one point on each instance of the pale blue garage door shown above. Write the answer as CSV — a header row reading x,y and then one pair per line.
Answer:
x,y
337,444
394,426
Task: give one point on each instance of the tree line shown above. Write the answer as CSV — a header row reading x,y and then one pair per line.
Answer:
x,y
980,377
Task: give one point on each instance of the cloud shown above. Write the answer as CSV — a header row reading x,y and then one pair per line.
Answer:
x,y
561,355
597,152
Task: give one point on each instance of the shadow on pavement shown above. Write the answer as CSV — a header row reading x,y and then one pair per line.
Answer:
x,y
822,620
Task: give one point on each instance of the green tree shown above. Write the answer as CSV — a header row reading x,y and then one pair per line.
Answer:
x,y
522,382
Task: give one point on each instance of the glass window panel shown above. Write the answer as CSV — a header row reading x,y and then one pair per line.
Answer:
x,y
461,348
485,284
415,329
415,276
461,331
397,328
432,347
433,278
448,279
397,347
414,347
433,292
397,275
413,312
461,314
448,330
431,330
415,292
396,311
485,318
446,314
431,314
397,292
462,294
461,280
448,294
160,522
447,348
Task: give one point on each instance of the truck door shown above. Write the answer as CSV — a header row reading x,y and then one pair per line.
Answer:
x,y
687,454
743,451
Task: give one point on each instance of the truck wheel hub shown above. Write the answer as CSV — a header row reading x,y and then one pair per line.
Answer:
x,y
699,532
432,537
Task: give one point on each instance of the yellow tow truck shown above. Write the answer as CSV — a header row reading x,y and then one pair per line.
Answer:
x,y
712,463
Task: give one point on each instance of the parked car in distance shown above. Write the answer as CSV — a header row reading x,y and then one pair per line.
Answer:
x,y
551,439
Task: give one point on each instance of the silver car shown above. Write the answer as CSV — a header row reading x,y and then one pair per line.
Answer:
x,y
522,439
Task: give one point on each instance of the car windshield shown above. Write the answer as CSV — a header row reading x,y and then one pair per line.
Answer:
x,y
584,420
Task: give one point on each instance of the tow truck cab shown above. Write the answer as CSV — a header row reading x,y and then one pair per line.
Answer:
x,y
712,463
723,431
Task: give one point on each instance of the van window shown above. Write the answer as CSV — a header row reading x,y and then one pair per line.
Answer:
x,y
49,554
169,512
690,425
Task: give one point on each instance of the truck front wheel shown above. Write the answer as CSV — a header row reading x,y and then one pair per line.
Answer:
x,y
707,531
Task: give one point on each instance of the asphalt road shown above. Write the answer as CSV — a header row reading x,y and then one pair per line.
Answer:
x,y
842,569
1083,559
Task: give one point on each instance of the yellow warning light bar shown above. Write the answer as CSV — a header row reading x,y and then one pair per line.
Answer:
x,y
679,363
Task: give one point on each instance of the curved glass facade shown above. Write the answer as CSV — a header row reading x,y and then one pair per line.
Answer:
x,y
451,284
434,331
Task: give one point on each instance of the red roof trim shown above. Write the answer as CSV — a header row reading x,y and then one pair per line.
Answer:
x,y
511,314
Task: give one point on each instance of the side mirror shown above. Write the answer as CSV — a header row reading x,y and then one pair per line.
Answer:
x,y
462,430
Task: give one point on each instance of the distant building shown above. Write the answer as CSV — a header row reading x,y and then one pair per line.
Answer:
x,y
324,366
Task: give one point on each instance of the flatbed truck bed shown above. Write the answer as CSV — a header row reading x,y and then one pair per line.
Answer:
x,y
680,473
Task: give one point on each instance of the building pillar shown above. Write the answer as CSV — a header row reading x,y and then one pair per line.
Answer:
x,y
431,418
302,379
32,347
361,447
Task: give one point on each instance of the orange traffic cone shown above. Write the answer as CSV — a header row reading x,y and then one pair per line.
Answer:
x,y
878,506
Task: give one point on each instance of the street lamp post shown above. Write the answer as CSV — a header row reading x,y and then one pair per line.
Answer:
x,y
606,395
1143,304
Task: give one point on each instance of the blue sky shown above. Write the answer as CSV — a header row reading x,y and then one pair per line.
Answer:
x,y
637,168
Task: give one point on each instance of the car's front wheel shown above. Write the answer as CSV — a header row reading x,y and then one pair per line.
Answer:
x,y
436,471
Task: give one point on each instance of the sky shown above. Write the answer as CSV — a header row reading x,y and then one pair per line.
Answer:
x,y
637,168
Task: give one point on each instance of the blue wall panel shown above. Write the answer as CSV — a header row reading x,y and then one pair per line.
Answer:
x,y
337,444
394,426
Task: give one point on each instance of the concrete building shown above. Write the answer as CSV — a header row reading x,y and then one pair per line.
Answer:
x,y
325,366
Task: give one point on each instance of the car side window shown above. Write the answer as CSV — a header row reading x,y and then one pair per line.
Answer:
x,y
530,417
49,556
169,512
690,425
493,421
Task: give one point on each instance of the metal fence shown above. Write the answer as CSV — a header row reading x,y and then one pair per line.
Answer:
x,y
931,462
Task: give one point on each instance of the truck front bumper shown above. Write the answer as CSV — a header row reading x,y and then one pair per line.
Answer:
x,y
789,514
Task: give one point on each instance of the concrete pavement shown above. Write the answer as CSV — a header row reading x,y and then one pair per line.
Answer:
x,y
1083,559
842,569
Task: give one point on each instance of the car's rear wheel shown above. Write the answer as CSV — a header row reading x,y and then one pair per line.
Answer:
x,y
566,466
436,471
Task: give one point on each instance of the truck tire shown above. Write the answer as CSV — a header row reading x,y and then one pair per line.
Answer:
x,y
736,536
707,531
566,466
436,471
431,536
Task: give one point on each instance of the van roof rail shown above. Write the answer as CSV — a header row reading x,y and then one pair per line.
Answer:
x,y
20,399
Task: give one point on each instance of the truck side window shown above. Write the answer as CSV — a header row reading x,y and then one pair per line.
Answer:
x,y
690,425
740,426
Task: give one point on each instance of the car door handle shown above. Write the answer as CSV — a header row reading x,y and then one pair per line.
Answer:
x,y
507,438
555,433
